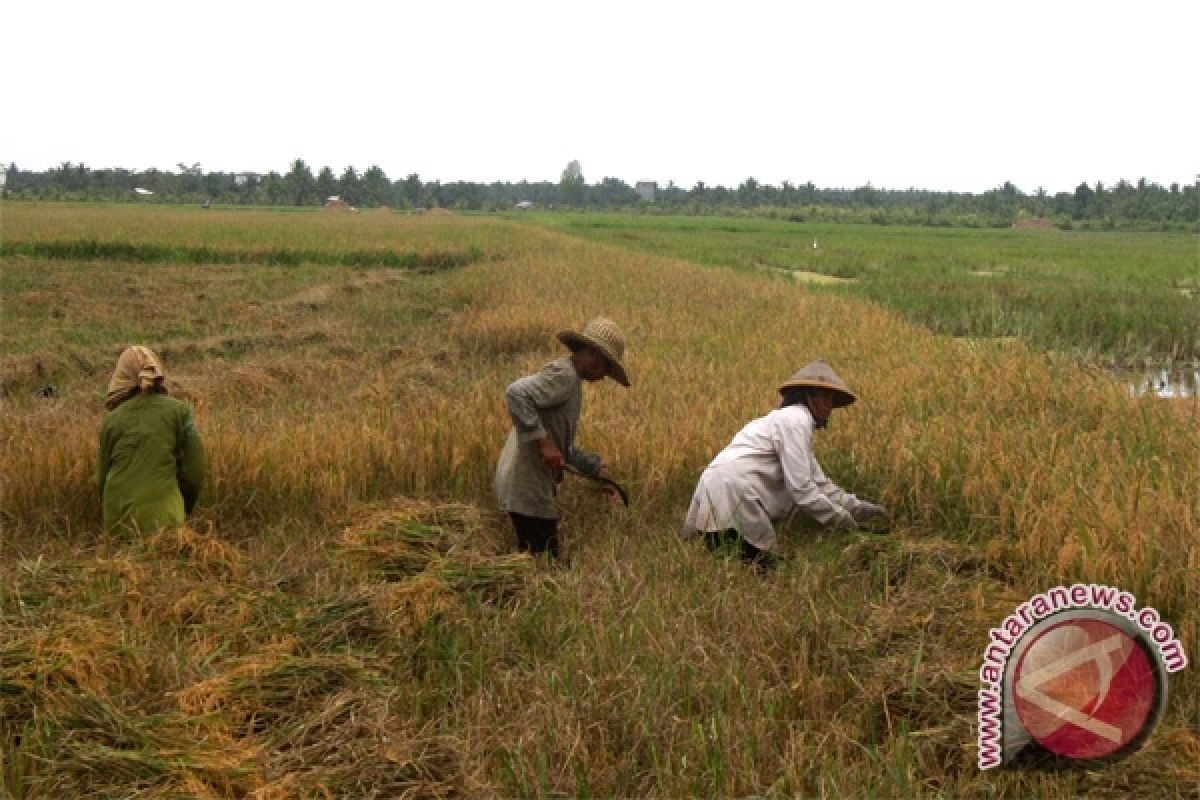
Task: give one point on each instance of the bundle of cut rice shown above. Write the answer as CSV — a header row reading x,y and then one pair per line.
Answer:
x,y
494,576
434,551
395,547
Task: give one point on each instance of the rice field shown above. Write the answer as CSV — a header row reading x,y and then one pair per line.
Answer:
x,y
1129,300
344,617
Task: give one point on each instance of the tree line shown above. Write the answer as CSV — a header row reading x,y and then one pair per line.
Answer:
x,y
1124,205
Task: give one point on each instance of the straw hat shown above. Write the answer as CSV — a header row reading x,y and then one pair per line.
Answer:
x,y
603,335
820,375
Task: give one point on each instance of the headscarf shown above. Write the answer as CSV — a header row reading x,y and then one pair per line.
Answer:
x,y
138,370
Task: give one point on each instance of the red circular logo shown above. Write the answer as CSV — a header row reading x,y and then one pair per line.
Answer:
x,y
1084,688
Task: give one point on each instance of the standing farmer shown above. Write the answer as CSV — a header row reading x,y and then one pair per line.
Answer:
x,y
545,408
768,470
151,462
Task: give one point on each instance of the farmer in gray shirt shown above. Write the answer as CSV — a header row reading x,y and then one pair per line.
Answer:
x,y
545,410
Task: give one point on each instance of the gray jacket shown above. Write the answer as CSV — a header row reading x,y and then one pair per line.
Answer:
x,y
547,403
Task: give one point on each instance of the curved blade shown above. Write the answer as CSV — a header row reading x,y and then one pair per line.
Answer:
x,y
624,494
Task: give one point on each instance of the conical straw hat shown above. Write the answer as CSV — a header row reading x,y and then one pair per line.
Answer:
x,y
819,375
604,335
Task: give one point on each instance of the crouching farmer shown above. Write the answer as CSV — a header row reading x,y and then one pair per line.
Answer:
x,y
769,470
151,463
545,409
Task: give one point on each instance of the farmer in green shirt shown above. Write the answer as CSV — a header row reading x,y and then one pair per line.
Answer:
x,y
151,462
545,408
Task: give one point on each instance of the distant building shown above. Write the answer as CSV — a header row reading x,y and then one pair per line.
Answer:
x,y
645,190
242,178
336,203
524,205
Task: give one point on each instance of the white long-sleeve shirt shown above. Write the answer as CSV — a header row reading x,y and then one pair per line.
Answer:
x,y
767,471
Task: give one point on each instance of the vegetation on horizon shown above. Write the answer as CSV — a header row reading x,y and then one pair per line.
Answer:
x,y
339,620
1125,205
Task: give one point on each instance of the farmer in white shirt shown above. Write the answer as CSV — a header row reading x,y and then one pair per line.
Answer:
x,y
768,470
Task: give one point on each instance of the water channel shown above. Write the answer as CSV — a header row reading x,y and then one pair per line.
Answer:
x,y
1165,383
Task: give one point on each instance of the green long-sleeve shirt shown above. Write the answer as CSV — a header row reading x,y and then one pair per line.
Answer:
x,y
150,464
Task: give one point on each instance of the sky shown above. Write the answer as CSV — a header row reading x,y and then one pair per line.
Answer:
x,y
949,96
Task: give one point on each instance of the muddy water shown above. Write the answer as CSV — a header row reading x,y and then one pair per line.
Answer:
x,y
1167,383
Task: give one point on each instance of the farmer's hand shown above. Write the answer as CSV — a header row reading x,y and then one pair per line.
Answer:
x,y
867,512
609,491
842,521
552,457
873,518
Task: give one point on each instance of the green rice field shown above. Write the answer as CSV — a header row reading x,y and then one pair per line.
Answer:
x,y
1127,300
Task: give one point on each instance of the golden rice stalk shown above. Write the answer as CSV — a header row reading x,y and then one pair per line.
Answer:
x,y
495,577
409,605
204,550
103,749
341,620
393,557
273,685
358,744
402,540
79,653
212,694
500,332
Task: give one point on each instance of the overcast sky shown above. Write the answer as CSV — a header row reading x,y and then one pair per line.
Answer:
x,y
960,95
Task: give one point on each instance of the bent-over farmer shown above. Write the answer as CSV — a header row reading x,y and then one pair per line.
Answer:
x,y
151,462
769,470
545,408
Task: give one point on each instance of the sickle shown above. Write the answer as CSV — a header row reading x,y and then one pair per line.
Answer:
x,y
606,481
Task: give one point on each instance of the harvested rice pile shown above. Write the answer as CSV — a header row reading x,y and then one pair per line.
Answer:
x,y
168,668
427,556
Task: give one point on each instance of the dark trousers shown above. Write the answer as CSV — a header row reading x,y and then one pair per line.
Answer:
x,y
729,539
536,534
